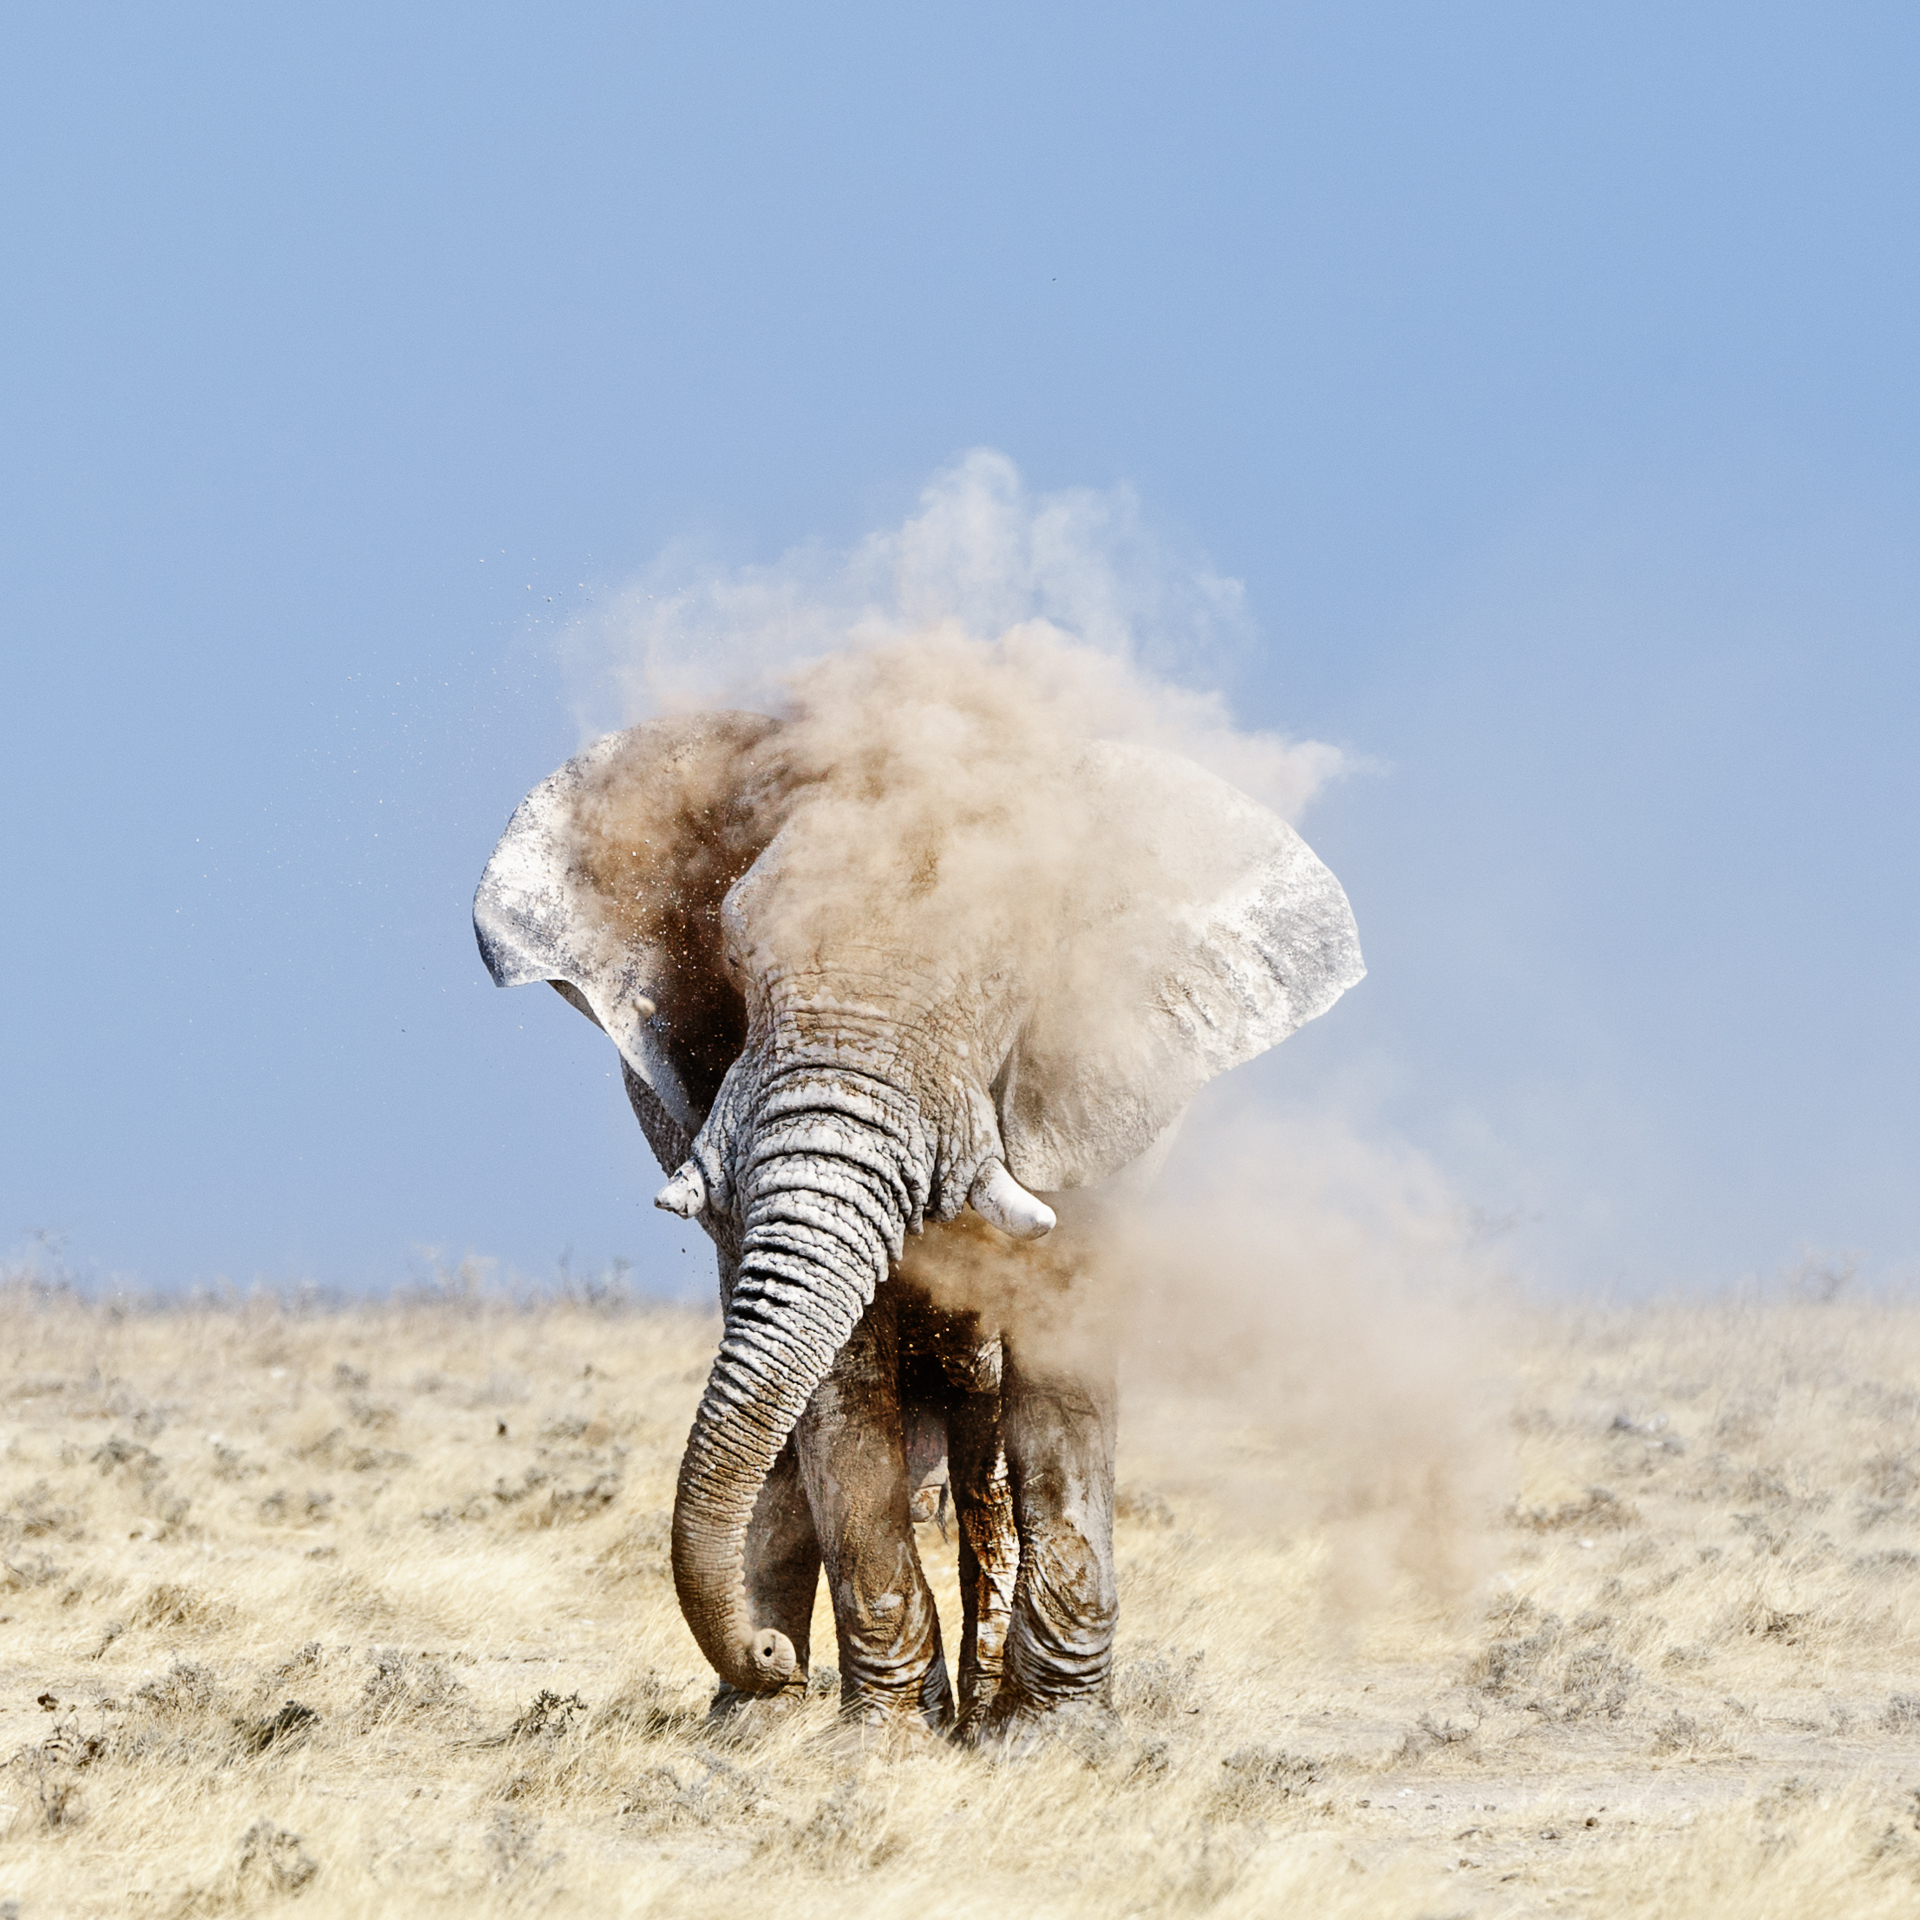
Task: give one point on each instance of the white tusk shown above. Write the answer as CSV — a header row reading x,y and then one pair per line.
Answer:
x,y
685,1194
1001,1201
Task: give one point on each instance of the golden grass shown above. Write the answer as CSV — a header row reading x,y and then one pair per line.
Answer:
x,y
366,1610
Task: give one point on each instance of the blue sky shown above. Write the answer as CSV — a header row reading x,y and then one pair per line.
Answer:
x,y
1546,376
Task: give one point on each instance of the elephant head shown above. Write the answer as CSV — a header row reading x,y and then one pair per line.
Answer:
x,y
873,972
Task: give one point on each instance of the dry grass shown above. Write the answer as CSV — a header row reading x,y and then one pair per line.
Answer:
x,y
365,1610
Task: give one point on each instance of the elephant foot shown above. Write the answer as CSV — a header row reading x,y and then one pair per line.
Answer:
x,y
927,1712
875,1692
874,1730
1012,1727
746,1714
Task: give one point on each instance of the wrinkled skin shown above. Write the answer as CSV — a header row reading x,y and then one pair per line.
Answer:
x,y
835,1056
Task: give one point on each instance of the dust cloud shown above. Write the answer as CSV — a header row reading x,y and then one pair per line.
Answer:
x,y
984,557
1310,1342
1294,1292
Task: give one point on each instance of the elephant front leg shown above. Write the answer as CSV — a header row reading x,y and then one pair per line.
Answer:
x,y
1058,1428
852,1453
989,1547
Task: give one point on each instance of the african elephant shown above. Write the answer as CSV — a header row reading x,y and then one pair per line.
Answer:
x,y
895,997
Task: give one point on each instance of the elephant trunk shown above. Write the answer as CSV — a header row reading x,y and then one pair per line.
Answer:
x,y
830,1183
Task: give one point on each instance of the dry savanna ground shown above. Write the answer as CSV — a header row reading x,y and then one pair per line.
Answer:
x,y
365,1611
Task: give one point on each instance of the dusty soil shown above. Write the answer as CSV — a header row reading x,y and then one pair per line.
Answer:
x,y
367,1610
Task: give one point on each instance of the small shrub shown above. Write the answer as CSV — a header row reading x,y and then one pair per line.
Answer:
x,y
1596,1685
404,1685
61,1804
1431,1735
1261,1779
271,1857
707,1791
851,1828
1892,1475
119,1451
68,1746
567,1504
1771,1623
230,1463
1680,1735
1598,1510
653,1706
550,1716
308,1656
1160,1688
30,1570
33,1513
170,1605
1513,1662
185,1688
510,1840
291,1722
1902,1714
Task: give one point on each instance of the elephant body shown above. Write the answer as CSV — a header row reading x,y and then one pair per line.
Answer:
x,y
863,967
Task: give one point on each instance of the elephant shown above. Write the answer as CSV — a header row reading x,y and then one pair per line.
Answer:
x,y
907,1007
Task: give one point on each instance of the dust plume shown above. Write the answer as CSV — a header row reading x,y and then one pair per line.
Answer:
x,y
1311,1344
971,773
1309,1349
983,557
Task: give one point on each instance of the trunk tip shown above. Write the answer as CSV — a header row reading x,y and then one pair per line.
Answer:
x,y
771,1655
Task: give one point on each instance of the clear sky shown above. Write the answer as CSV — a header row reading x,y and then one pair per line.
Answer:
x,y
1547,375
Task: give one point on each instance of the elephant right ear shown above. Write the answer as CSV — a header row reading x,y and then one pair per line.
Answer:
x,y
1210,934
608,880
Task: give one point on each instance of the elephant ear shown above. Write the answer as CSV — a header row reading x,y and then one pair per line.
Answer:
x,y
608,880
1210,932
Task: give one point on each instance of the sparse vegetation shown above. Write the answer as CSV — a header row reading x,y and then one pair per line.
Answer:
x,y
365,1609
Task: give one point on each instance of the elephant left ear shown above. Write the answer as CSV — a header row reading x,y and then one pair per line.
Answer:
x,y
607,884
1211,932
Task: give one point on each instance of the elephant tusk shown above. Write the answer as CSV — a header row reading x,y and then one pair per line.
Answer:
x,y
685,1194
1000,1200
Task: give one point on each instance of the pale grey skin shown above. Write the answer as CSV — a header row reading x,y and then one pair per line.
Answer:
x,y
820,1108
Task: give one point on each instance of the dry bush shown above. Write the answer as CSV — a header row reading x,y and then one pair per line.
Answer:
x,y
367,1609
